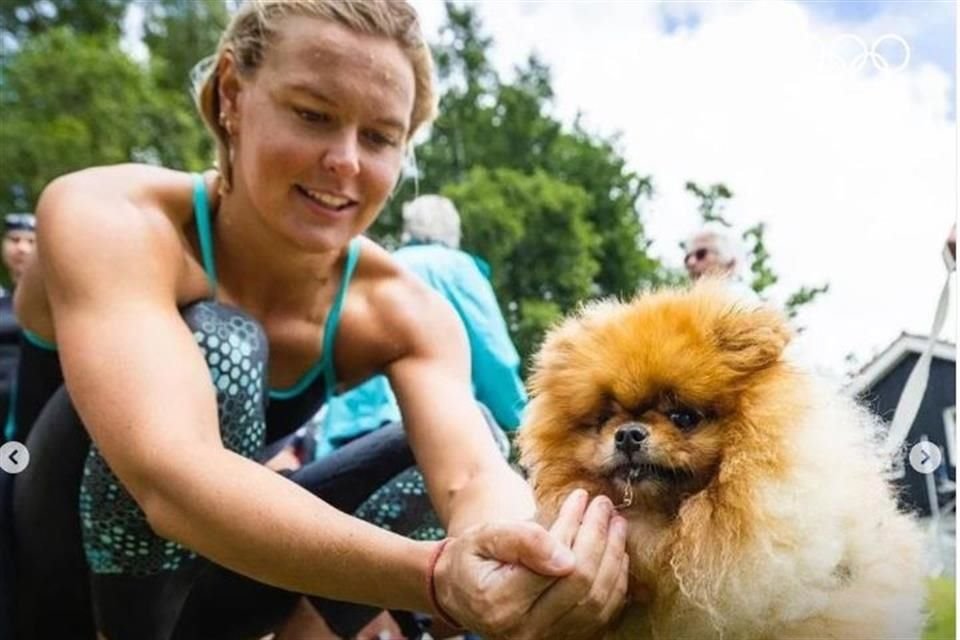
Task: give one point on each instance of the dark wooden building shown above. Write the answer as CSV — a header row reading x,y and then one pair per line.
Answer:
x,y
879,385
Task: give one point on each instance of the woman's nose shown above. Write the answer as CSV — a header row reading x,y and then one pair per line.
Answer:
x,y
341,157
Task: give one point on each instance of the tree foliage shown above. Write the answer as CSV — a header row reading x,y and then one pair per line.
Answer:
x,y
102,107
63,117
554,209
543,273
712,199
180,33
22,19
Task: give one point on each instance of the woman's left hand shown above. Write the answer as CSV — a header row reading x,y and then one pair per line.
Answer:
x,y
584,603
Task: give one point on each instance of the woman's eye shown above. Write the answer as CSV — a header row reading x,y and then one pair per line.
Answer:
x,y
685,418
380,139
312,116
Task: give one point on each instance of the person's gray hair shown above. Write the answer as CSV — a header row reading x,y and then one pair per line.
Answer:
x,y
431,218
729,249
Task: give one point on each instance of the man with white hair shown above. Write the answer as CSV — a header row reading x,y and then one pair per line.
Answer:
x,y
431,220
19,245
711,251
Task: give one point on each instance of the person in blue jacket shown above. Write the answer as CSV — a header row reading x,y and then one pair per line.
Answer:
x,y
431,240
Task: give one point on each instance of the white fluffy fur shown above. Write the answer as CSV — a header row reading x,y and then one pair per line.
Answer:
x,y
833,509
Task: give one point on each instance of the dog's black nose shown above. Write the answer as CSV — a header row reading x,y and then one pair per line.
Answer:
x,y
630,437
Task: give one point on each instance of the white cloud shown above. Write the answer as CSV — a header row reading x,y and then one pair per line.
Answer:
x,y
854,173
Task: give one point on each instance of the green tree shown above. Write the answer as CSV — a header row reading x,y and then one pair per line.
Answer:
x,y
178,34
712,200
762,274
804,295
22,19
60,117
506,129
102,107
534,231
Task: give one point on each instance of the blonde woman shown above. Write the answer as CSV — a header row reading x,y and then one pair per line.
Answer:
x,y
152,284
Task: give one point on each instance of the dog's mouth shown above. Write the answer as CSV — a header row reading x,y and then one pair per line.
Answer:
x,y
634,479
635,472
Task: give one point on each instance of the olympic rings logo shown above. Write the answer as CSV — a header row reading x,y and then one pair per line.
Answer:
x,y
849,52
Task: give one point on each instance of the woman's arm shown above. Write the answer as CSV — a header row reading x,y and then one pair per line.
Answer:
x,y
469,481
142,389
476,492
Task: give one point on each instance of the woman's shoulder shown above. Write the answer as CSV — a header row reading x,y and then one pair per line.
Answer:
x,y
148,189
104,221
111,216
383,280
392,295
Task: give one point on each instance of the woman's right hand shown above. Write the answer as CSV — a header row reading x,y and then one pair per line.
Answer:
x,y
493,578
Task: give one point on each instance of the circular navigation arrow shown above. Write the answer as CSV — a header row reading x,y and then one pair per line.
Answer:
x,y
925,457
14,457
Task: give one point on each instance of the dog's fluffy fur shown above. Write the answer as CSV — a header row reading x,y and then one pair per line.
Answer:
x,y
761,510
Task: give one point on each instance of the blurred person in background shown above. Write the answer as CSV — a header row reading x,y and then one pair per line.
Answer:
x,y
710,251
19,243
713,252
431,250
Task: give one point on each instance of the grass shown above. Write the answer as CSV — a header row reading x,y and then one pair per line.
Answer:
x,y
942,606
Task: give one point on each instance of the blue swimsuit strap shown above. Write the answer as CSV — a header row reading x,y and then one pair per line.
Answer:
x,y
201,211
333,319
325,365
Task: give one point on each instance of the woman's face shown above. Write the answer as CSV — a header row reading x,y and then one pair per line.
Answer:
x,y
319,130
18,246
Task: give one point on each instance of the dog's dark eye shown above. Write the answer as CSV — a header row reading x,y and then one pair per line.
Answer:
x,y
602,418
604,415
685,418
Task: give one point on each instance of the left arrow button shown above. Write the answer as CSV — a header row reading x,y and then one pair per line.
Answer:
x,y
14,457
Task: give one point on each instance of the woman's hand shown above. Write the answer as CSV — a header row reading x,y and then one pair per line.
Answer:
x,y
582,604
519,581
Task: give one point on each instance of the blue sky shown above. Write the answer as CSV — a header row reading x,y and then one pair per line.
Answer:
x,y
932,23
928,25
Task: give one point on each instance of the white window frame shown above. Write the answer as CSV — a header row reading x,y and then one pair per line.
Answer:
x,y
950,430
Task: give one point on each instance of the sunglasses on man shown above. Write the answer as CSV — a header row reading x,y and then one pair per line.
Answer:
x,y
698,255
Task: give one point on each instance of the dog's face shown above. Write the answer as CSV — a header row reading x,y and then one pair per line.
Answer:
x,y
651,393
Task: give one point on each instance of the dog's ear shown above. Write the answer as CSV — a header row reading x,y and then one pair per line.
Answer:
x,y
751,339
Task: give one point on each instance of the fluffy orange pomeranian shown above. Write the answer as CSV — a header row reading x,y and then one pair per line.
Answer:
x,y
758,502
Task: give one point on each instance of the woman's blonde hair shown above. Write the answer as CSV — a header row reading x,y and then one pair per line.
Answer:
x,y
252,28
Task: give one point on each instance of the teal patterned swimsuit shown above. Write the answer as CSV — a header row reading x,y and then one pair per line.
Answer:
x,y
116,536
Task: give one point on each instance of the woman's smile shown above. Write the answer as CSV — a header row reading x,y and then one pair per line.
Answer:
x,y
326,203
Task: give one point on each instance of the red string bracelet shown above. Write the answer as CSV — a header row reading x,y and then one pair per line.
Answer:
x,y
432,586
